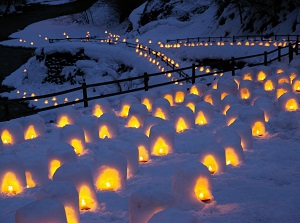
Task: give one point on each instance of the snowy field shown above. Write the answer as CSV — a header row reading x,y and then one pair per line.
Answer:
x,y
261,185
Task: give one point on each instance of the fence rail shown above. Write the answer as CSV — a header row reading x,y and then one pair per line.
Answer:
x,y
279,53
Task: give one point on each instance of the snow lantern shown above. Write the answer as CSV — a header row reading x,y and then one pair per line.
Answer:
x,y
127,101
257,93
130,152
296,84
168,95
262,72
108,126
245,132
232,113
74,135
110,170
146,202
136,116
270,84
11,132
245,89
231,142
33,126
191,100
227,102
46,211
288,102
66,116
12,173
265,104
247,73
36,171
282,89
254,116
81,176
183,119
292,73
179,94
65,193
214,84
151,121
161,109
283,79
280,69
142,142
204,113
100,107
173,215
161,140
227,86
212,96
58,154
148,98
191,185
89,126
212,155
198,89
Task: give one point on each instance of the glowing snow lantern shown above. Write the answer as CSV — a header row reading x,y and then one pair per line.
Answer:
x,y
137,115
233,113
183,119
212,155
191,100
270,84
46,210
146,202
254,116
191,185
148,98
64,193
198,89
265,104
280,70
34,126
288,102
151,121
81,176
214,84
179,94
227,102
110,169
292,73
12,173
100,107
245,132
74,135
89,126
231,142
11,132
168,95
227,86
296,84
66,116
212,96
36,172
161,109
283,79
108,126
168,215
282,89
245,89
247,73
142,142
125,105
262,72
58,154
204,113
130,152
161,140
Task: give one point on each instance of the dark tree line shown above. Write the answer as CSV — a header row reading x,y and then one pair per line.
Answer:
x,y
8,3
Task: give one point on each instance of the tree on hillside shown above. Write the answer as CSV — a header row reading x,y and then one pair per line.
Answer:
x,y
8,3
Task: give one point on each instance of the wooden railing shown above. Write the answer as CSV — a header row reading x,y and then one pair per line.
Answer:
x,y
267,58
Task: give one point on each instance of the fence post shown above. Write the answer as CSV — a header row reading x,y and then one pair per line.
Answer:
x,y
84,93
233,39
146,79
6,109
279,53
290,52
265,58
193,73
233,66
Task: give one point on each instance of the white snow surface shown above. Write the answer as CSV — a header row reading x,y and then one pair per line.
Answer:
x,y
265,188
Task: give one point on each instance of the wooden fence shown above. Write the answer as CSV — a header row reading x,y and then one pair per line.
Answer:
x,y
267,58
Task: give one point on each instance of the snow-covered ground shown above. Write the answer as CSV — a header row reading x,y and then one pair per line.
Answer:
x,y
263,188
47,2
